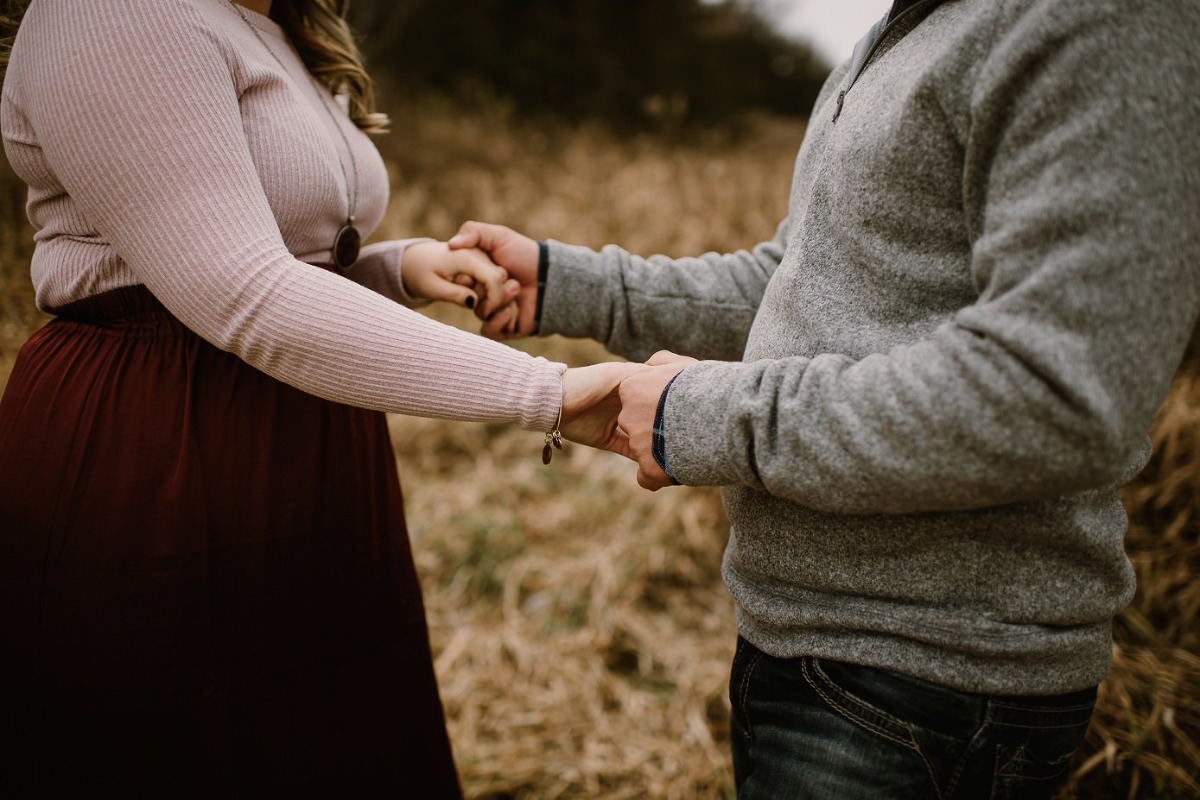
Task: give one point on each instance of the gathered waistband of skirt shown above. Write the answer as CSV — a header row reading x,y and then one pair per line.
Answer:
x,y
125,303
112,306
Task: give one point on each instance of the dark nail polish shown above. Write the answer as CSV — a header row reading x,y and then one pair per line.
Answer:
x,y
470,301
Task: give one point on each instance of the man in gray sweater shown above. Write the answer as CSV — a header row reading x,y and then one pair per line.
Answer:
x,y
922,393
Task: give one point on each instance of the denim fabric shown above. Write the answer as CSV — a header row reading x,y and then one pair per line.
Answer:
x,y
811,728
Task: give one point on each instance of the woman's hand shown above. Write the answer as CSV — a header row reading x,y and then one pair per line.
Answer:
x,y
591,405
432,271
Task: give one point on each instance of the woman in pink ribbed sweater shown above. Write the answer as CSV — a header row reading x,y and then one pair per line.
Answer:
x,y
205,583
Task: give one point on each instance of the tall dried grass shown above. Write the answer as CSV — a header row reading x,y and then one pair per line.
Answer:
x,y
18,315
1145,738
581,631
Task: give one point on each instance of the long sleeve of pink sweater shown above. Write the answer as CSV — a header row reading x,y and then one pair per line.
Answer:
x,y
165,144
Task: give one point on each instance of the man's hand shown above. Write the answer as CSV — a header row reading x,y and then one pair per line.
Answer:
x,y
591,405
432,271
639,395
516,253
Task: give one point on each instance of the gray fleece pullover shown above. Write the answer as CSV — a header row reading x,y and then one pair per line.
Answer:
x,y
922,393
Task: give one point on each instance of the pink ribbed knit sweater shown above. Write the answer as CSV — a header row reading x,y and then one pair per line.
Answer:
x,y
164,145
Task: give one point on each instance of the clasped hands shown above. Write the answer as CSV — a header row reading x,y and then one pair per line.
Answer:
x,y
492,270
612,406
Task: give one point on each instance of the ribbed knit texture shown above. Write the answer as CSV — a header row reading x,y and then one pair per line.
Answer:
x,y
164,145
992,269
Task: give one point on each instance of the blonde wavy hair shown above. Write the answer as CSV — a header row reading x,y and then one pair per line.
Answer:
x,y
320,33
326,44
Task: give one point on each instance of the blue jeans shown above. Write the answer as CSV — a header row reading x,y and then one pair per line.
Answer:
x,y
810,728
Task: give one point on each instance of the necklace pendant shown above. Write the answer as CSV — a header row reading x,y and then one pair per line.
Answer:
x,y
346,246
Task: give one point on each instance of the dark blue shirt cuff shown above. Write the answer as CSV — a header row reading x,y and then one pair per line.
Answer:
x,y
543,270
658,447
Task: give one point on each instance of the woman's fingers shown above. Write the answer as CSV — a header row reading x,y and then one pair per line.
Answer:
x,y
471,267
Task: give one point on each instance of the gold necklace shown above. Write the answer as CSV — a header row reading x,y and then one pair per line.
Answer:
x,y
347,242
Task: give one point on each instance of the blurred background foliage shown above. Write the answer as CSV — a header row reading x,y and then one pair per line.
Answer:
x,y
633,64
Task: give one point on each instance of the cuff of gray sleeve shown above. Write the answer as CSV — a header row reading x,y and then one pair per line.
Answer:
x,y
711,429
574,301
543,270
658,446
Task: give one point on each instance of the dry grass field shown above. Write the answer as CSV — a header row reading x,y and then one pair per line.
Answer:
x,y
581,631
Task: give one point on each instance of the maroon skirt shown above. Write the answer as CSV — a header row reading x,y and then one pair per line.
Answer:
x,y
206,586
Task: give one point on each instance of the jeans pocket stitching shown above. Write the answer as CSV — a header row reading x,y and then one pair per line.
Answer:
x,y
744,693
810,666
824,686
1011,767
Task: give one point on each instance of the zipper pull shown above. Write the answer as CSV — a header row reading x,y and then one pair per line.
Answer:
x,y
841,99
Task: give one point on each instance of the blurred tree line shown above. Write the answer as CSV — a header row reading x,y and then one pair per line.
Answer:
x,y
632,63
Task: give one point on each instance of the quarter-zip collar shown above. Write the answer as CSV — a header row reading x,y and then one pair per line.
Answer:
x,y
899,7
868,44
